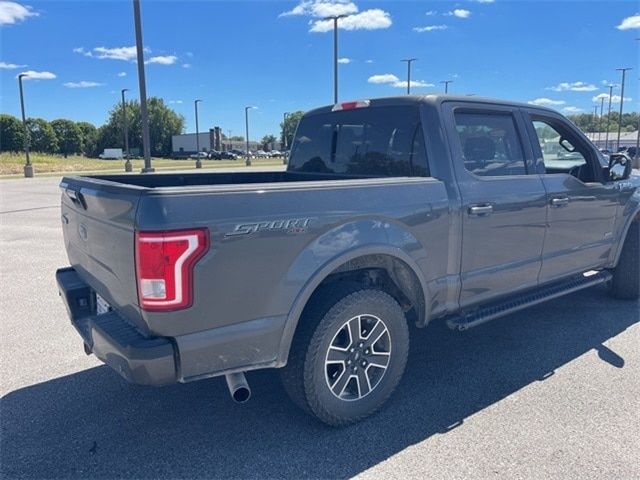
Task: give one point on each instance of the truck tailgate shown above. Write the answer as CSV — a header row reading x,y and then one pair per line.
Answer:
x,y
98,222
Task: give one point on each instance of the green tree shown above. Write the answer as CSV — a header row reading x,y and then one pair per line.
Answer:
x,y
289,126
163,123
69,136
42,137
89,137
11,133
267,142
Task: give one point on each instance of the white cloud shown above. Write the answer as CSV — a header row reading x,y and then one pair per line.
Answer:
x,y
614,98
13,12
163,59
122,74
33,75
186,65
431,13
345,60
573,87
483,1
430,28
127,54
572,110
322,8
82,84
392,80
368,61
173,102
546,102
373,19
10,66
383,78
460,13
630,23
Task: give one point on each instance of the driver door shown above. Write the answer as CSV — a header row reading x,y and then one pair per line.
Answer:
x,y
581,206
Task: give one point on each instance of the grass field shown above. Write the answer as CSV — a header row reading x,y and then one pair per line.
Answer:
x,y
12,164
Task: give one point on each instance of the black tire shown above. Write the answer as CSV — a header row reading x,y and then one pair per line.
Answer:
x,y
626,276
368,333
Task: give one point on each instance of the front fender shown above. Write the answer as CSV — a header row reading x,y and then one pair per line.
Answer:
x,y
340,245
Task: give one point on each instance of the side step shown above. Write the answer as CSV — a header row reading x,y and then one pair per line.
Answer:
x,y
490,311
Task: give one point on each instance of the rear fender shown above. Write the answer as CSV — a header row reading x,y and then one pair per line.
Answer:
x,y
337,247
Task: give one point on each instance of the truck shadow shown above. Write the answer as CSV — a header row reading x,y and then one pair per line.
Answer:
x,y
92,424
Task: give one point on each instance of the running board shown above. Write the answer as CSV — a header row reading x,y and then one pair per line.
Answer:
x,y
494,310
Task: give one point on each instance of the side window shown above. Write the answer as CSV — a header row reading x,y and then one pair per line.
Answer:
x,y
558,152
490,144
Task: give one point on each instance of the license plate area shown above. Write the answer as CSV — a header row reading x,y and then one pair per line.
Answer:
x,y
102,306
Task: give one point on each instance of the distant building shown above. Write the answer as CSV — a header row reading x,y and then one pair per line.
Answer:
x,y
627,139
185,144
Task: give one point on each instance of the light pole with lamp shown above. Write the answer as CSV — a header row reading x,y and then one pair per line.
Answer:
x,y
409,62
28,167
335,19
246,124
446,85
198,161
127,163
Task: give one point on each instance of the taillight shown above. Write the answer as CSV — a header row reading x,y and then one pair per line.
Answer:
x,y
350,105
164,267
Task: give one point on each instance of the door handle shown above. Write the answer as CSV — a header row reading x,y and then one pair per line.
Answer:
x,y
559,202
480,210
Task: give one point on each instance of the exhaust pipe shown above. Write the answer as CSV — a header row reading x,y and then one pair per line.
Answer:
x,y
238,387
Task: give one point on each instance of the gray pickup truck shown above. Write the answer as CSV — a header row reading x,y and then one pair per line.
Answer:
x,y
391,212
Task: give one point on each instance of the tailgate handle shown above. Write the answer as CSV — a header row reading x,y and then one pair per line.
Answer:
x,y
76,197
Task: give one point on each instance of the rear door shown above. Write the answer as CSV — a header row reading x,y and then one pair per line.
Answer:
x,y
503,202
582,207
98,221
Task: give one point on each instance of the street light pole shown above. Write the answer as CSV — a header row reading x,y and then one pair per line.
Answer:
x,y
409,61
446,85
601,111
606,138
335,19
198,161
28,167
624,71
246,124
284,136
595,119
146,142
127,163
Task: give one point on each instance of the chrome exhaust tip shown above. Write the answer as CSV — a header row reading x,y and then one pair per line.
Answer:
x,y
238,387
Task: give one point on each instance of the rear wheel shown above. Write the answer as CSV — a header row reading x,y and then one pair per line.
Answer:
x,y
626,276
351,360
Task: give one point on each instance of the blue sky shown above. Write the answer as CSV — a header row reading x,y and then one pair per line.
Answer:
x,y
277,55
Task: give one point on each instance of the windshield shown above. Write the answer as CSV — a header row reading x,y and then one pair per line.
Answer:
x,y
371,141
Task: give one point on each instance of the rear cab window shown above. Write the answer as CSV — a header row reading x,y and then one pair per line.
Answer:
x,y
371,141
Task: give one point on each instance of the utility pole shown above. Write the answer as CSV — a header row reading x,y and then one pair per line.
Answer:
x,y
595,119
624,71
246,124
230,147
446,85
335,19
28,167
198,161
146,142
127,163
284,137
409,62
606,141
601,111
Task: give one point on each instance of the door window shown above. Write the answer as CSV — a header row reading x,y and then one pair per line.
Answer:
x,y
560,151
490,144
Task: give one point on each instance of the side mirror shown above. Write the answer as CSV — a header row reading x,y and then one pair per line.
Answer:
x,y
619,167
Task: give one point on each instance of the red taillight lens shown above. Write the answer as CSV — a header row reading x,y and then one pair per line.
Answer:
x,y
164,267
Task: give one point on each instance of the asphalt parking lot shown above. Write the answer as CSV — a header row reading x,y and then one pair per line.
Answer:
x,y
552,392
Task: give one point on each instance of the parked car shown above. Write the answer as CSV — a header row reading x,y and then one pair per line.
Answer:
x,y
391,211
201,155
261,154
214,155
111,154
228,156
237,152
275,154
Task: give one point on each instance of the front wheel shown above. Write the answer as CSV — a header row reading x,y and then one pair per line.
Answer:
x,y
353,360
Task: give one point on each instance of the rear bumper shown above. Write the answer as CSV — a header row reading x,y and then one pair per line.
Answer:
x,y
138,358
152,360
